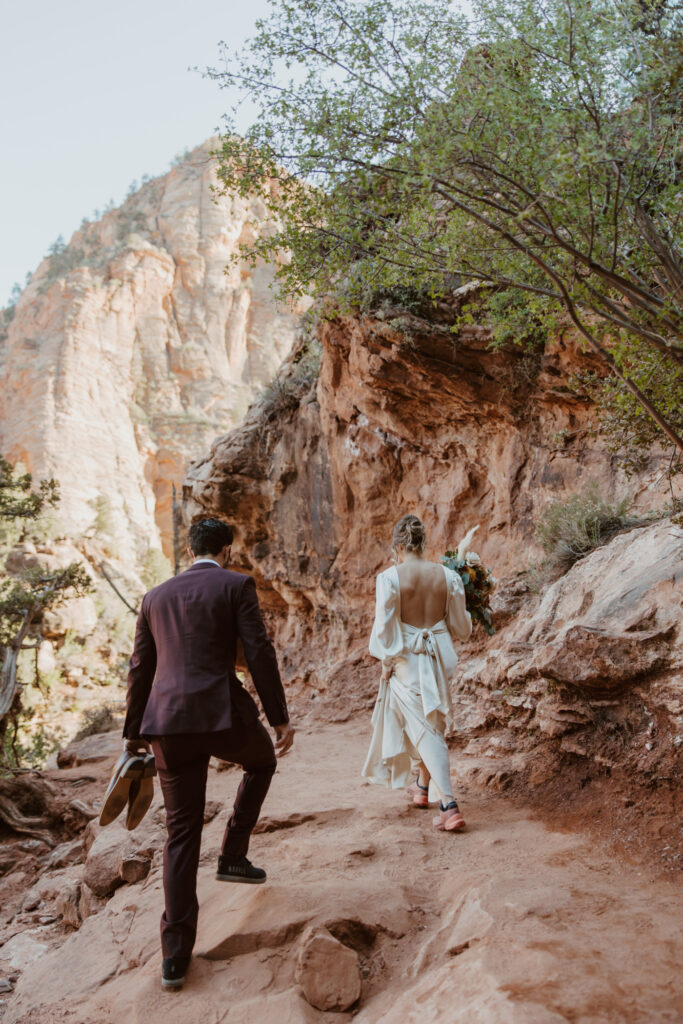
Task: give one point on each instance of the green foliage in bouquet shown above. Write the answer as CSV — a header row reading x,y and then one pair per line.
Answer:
x,y
479,585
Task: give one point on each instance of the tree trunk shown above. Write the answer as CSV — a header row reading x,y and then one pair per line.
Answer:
x,y
8,679
176,533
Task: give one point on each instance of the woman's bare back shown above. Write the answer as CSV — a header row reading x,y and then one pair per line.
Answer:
x,y
423,593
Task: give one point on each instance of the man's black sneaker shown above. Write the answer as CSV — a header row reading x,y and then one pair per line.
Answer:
x,y
241,870
173,971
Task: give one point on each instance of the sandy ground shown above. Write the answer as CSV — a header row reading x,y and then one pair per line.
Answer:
x,y
508,922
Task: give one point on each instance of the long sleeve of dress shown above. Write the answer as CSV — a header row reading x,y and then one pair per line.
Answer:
x,y
458,619
386,640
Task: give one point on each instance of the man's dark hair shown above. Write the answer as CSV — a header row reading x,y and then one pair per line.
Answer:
x,y
209,536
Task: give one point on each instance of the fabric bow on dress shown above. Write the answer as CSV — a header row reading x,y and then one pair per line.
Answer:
x,y
433,684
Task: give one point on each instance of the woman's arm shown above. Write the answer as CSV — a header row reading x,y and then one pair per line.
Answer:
x,y
458,619
386,640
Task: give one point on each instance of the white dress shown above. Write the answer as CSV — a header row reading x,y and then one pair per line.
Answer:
x,y
413,710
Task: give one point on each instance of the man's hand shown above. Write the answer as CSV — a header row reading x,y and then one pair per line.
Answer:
x,y
136,746
285,738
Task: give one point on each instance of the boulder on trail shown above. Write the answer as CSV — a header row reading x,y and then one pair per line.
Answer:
x,y
328,971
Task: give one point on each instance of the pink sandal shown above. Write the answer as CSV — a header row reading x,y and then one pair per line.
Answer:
x,y
450,819
418,794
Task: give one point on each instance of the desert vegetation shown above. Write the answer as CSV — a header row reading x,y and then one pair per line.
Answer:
x,y
26,597
572,526
533,148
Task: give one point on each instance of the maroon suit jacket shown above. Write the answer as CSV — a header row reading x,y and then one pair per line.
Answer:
x,y
182,673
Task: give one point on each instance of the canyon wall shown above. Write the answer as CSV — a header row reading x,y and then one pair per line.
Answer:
x,y
404,415
131,349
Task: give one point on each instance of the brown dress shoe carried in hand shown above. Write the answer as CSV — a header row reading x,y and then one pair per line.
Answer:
x,y
141,793
127,769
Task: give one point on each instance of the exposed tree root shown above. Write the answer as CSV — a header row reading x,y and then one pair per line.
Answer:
x,y
27,806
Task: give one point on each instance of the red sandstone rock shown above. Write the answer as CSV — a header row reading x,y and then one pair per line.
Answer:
x,y
89,903
68,905
596,667
134,867
442,426
328,971
102,871
115,856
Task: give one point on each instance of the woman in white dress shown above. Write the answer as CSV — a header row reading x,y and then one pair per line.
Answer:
x,y
420,610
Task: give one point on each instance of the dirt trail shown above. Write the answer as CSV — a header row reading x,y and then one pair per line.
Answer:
x,y
507,923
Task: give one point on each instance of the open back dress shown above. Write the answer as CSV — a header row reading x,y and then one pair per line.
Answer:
x,y
413,709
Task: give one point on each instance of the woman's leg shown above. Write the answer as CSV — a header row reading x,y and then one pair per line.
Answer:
x,y
423,775
434,753
434,756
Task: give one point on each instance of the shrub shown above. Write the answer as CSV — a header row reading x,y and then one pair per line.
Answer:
x,y
7,314
155,568
571,527
103,523
285,391
23,599
97,719
630,433
28,743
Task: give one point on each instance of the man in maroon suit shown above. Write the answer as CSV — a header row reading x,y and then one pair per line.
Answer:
x,y
186,700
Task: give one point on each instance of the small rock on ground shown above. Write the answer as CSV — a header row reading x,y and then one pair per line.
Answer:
x,y
328,971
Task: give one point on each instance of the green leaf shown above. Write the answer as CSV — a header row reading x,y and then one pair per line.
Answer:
x,y
403,148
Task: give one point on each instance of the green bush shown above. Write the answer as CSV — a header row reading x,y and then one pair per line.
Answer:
x,y
285,391
571,527
103,523
630,433
98,719
29,739
156,568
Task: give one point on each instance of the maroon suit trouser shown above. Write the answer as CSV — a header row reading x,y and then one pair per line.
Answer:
x,y
182,763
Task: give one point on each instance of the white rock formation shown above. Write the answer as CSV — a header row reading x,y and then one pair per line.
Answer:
x,y
132,349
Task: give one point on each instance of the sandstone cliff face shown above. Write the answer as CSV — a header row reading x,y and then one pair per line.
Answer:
x,y
132,349
410,420
576,703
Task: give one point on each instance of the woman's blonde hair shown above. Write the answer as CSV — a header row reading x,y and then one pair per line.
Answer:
x,y
410,534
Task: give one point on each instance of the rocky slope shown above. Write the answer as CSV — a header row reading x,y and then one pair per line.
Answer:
x,y
368,914
582,687
577,704
407,419
131,349
574,706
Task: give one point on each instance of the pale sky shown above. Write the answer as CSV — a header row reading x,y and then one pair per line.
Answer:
x,y
94,95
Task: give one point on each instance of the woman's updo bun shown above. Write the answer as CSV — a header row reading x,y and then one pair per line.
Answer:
x,y
410,534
